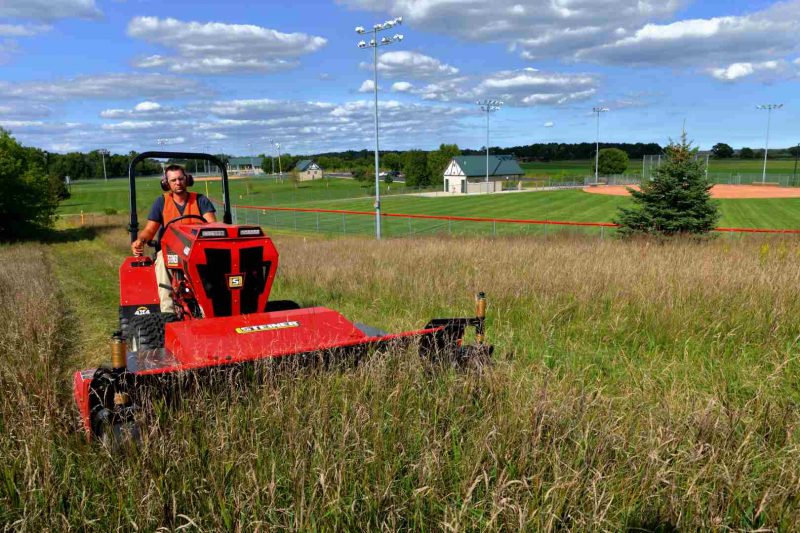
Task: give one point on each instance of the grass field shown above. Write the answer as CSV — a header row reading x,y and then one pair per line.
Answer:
x,y
567,205
636,386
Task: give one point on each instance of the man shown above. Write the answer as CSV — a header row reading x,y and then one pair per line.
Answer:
x,y
177,201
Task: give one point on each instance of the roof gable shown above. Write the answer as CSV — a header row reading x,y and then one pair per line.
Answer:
x,y
499,165
303,165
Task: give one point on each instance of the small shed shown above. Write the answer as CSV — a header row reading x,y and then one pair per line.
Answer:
x,y
467,173
307,169
244,165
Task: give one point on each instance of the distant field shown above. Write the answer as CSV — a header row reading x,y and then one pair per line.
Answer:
x,y
96,196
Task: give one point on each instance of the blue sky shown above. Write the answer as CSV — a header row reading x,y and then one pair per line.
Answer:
x,y
231,76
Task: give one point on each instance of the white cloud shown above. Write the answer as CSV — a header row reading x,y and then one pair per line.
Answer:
x,y
300,126
614,32
548,124
524,87
218,48
402,86
105,86
753,38
736,71
49,9
367,86
555,28
146,110
147,106
23,30
24,111
413,65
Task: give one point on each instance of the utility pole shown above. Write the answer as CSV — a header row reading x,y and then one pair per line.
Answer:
x,y
769,108
796,155
374,44
103,154
597,111
488,107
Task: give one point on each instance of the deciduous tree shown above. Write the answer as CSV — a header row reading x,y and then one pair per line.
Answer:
x,y
29,196
722,151
612,161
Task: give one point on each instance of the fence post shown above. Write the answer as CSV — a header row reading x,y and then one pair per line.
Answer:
x,y
344,224
449,226
409,225
317,222
295,220
494,228
602,232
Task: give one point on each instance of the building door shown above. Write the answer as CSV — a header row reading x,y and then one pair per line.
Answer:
x,y
464,186
446,185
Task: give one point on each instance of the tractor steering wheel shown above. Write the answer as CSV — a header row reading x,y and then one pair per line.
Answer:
x,y
182,217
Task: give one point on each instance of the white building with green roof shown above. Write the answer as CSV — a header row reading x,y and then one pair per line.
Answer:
x,y
307,169
467,173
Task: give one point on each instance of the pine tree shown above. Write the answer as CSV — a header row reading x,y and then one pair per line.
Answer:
x,y
676,200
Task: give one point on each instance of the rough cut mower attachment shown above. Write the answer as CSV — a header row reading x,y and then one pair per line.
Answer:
x,y
221,277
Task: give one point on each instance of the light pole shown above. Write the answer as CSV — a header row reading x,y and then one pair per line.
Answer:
x,y
488,107
161,142
252,165
103,154
769,108
277,147
374,44
597,111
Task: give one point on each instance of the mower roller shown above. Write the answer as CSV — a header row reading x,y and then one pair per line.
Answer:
x,y
221,277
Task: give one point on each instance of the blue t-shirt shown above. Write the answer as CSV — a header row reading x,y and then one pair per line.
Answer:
x,y
157,211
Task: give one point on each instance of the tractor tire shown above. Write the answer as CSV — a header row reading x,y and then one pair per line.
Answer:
x,y
146,332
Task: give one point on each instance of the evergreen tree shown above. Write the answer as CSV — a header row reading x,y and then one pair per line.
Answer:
x,y
676,200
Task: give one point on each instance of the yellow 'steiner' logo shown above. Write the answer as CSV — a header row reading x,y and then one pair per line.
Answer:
x,y
268,327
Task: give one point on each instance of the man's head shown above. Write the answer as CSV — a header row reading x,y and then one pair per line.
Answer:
x,y
176,179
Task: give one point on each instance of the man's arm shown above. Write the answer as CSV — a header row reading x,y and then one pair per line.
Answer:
x,y
210,216
146,235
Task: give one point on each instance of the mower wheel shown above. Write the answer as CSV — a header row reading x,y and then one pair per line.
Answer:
x,y
146,332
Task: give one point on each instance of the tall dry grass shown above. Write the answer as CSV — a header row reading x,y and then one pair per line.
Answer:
x,y
636,386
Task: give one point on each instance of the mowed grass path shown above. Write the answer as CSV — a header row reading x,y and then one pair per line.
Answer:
x,y
343,194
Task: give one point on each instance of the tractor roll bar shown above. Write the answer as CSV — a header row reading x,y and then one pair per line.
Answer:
x,y
133,228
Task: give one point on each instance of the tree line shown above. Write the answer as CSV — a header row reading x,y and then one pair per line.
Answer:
x,y
726,151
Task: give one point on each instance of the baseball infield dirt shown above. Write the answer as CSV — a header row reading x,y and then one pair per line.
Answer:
x,y
718,191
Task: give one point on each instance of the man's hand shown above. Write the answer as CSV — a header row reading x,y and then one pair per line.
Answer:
x,y
137,247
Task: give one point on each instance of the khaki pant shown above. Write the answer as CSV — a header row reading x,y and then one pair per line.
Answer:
x,y
162,278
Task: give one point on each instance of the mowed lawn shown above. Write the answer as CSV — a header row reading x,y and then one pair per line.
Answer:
x,y
343,194
572,205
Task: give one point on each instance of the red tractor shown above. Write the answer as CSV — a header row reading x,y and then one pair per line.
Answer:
x,y
221,279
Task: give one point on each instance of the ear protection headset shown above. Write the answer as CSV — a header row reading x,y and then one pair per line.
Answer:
x,y
165,184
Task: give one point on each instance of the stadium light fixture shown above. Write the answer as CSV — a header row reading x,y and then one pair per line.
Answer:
x,y
597,111
769,108
161,142
488,107
374,44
